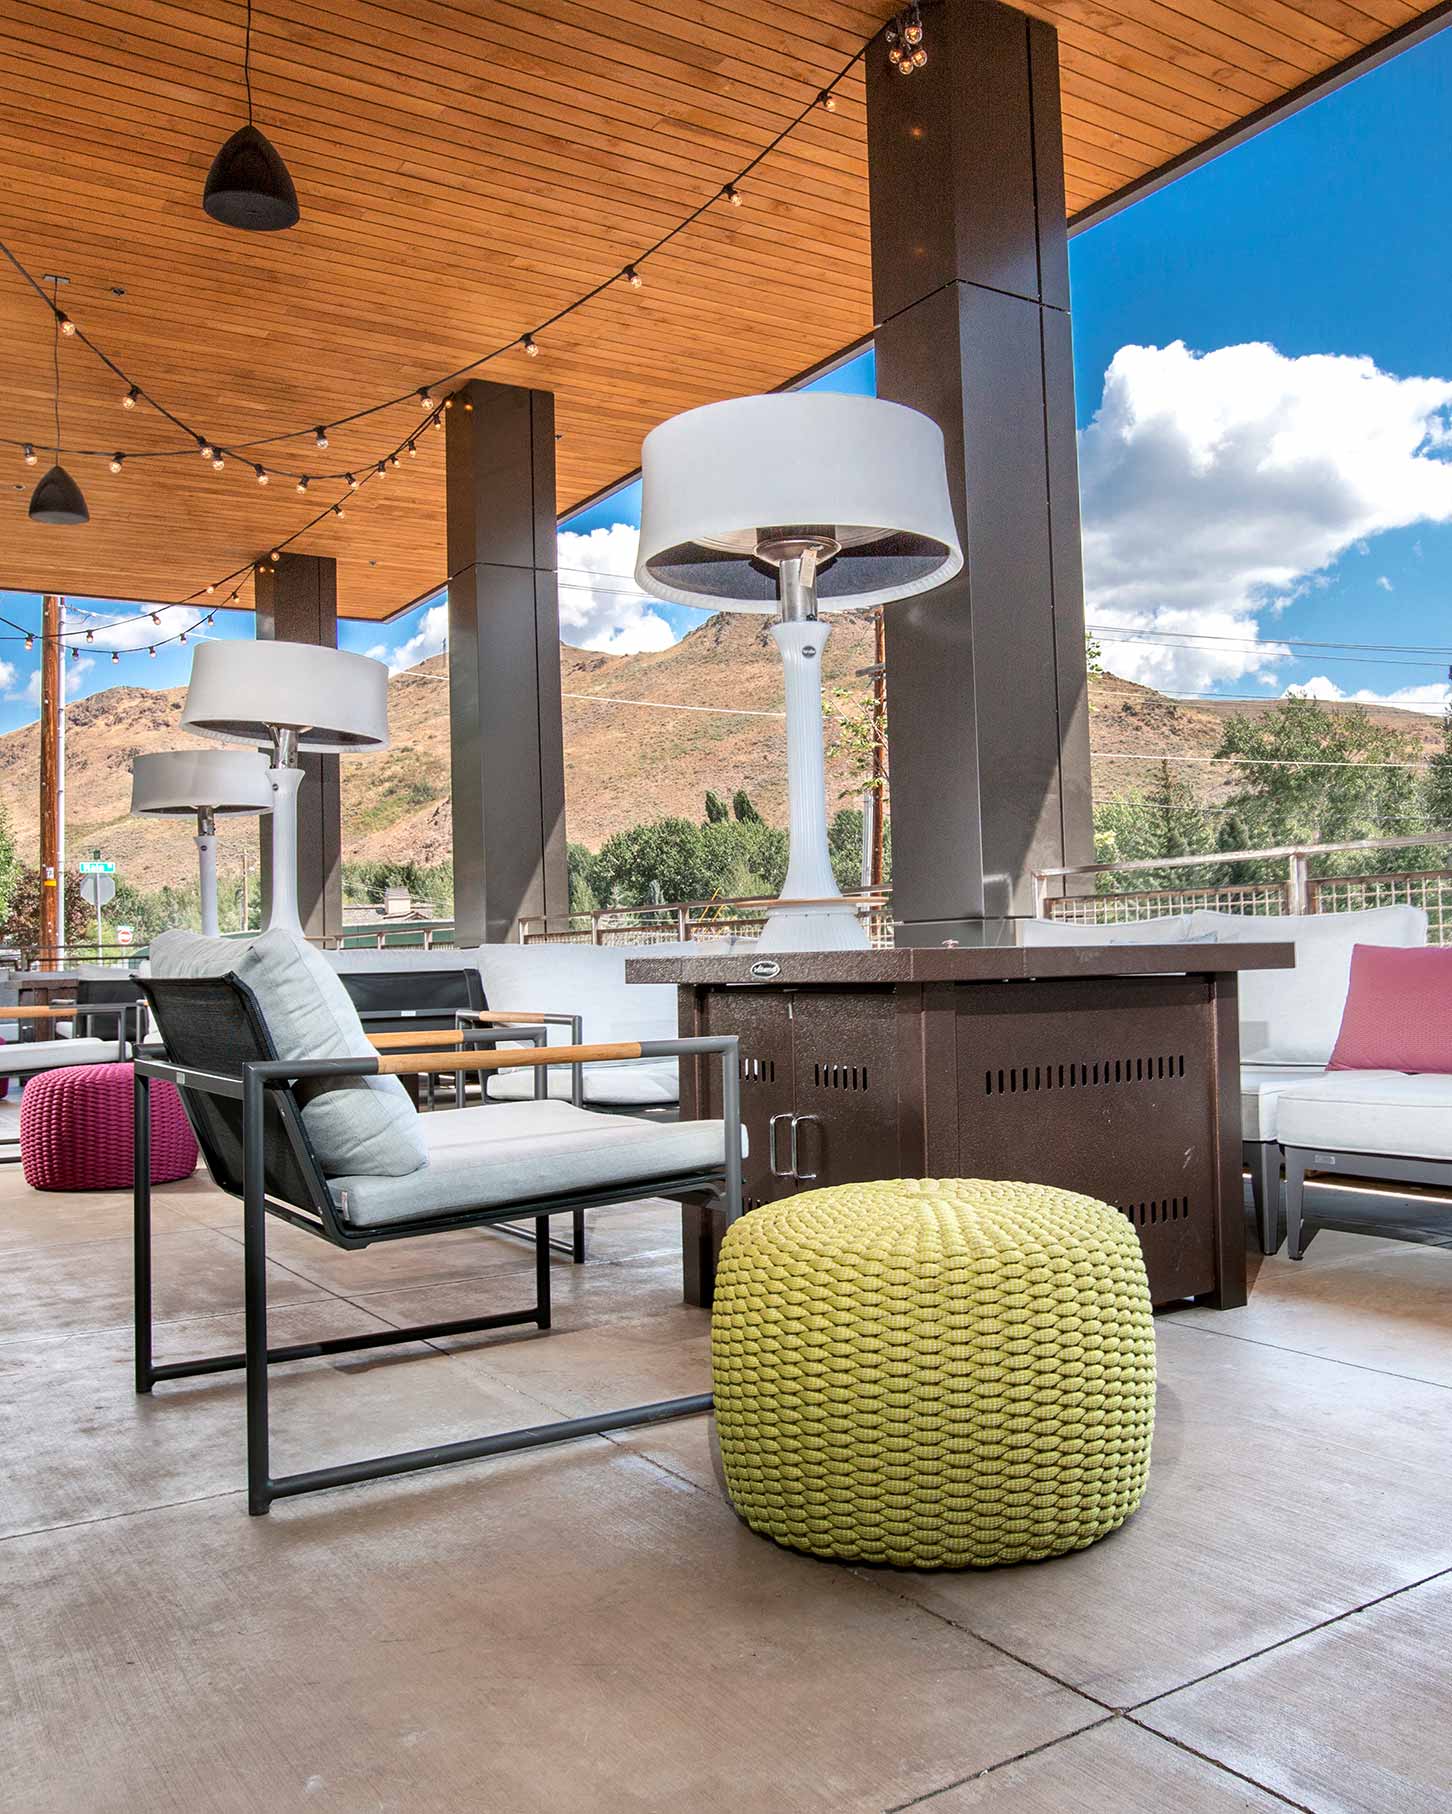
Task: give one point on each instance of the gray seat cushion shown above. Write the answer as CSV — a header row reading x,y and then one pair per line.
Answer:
x,y
1260,1090
502,1153
50,1054
645,1083
1393,1113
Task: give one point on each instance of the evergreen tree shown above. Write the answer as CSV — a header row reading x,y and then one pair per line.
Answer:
x,y
717,811
741,806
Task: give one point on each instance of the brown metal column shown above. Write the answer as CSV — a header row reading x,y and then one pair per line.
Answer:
x,y
297,601
505,731
986,676
51,879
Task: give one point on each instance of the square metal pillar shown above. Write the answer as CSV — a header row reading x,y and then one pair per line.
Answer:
x,y
506,735
297,601
987,690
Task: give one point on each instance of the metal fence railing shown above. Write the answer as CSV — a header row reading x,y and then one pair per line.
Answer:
x,y
1300,892
689,922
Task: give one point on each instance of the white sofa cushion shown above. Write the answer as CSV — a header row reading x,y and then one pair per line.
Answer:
x,y
645,1083
495,1155
1172,929
25,1056
1290,1017
1369,1112
359,1124
1260,1090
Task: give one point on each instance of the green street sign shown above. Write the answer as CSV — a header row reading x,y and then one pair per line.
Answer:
x,y
97,869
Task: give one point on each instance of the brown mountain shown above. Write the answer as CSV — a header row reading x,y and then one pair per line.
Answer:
x,y
622,763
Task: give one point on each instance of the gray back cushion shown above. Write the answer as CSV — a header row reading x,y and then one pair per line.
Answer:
x,y
359,1124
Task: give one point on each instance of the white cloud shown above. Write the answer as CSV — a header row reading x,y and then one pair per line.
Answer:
x,y
1218,487
431,638
1432,699
131,627
600,605
7,676
74,672
1385,583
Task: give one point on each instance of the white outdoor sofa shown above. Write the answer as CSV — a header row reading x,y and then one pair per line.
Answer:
x,y
1289,1020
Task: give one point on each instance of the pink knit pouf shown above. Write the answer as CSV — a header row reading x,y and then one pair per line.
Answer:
x,y
75,1130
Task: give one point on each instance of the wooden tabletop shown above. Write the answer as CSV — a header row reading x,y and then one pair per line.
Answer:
x,y
941,964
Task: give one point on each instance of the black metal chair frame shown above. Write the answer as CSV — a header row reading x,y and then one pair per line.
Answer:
x,y
266,1089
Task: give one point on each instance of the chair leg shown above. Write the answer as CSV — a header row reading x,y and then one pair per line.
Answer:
x,y
1295,1199
542,1271
141,1227
1265,1178
254,1261
577,1237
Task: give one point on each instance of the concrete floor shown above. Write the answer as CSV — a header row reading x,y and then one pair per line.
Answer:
x,y
590,1628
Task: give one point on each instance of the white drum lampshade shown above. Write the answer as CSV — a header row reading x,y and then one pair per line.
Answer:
x,y
789,506
290,699
205,784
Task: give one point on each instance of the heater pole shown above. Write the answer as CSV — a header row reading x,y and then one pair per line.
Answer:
x,y
52,881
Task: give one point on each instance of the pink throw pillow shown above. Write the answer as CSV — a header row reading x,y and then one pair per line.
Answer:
x,y
1398,1014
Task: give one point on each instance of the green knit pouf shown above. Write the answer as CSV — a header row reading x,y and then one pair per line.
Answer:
x,y
937,1373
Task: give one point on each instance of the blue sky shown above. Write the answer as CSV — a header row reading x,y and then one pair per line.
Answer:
x,y
1270,468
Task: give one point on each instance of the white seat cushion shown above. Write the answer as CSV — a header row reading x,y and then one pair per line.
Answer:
x,y
51,1054
1260,1090
497,1154
1369,1112
645,1083
357,1124
1293,1016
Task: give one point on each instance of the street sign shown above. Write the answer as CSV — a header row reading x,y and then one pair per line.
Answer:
x,y
125,934
97,869
97,890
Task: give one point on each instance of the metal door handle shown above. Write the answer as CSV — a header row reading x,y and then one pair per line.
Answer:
x,y
776,1170
797,1120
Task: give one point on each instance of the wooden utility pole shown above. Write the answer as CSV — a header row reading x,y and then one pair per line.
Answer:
x,y
879,744
51,879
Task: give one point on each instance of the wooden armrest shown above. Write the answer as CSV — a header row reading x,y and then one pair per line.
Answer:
x,y
65,1012
414,1042
403,1065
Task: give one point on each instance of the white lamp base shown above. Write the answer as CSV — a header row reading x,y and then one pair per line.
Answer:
x,y
833,925
282,915
207,881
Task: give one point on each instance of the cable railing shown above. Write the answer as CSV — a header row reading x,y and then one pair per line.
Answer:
x,y
693,922
1297,892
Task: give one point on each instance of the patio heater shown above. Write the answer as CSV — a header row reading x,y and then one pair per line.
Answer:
x,y
791,506
292,699
210,783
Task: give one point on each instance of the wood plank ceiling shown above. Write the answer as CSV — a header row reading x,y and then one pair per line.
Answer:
x,y
464,171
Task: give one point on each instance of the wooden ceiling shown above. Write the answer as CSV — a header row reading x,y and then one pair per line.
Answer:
x,y
465,170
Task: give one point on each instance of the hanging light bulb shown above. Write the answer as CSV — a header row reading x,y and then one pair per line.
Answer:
x,y
90,636
217,461
152,652
75,653
337,510
183,636
302,483
29,642
920,57
913,30
530,345
394,461
352,482
827,101
65,324
412,451
57,499
248,185
633,277
156,617
28,454
132,398
117,461
231,601
204,448
425,397
320,435
262,474
115,658
731,194
275,556
383,469
211,589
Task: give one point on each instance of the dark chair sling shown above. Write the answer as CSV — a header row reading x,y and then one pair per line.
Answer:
x,y
245,1106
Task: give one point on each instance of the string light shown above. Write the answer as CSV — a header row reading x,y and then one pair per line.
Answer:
x,y
262,474
132,398
827,101
731,194
530,345
28,455
412,453
632,277
352,482
204,448
904,38
115,658
302,483
90,636
117,460
29,642
217,461
156,617
320,436
211,589
75,653
152,651
337,510
425,398
383,469
67,326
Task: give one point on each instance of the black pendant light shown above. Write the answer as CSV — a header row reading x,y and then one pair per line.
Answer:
x,y
248,185
57,498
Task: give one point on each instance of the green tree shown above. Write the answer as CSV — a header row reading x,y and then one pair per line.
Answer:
x,y
21,925
1166,819
717,811
741,806
1437,787
582,892
1306,775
